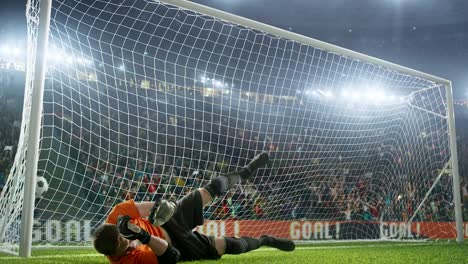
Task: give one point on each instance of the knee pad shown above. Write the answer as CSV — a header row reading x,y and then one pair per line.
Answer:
x,y
217,186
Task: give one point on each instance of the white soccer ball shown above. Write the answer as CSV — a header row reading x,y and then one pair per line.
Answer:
x,y
41,186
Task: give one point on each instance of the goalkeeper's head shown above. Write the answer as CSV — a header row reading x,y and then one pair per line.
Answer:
x,y
108,241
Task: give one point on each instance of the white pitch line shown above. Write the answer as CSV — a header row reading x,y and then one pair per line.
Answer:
x,y
261,249
346,247
53,256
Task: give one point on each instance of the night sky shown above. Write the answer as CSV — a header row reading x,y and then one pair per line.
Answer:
x,y
427,35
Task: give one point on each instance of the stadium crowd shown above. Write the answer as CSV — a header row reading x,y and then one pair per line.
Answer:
x,y
142,154
10,121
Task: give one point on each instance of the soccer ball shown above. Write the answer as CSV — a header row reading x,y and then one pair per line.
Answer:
x,y
41,186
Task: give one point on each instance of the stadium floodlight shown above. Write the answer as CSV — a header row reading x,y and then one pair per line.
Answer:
x,y
69,60
55,56
369,95
326,94
5,50
355,96
344,93
108,128
311,92
16,51
379,96
85,61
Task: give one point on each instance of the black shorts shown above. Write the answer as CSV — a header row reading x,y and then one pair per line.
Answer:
x,y
191,244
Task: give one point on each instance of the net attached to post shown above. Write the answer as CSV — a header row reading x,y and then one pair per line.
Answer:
x,y
145,100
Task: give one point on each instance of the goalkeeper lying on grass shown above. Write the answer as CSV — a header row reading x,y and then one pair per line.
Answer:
x,y
168,236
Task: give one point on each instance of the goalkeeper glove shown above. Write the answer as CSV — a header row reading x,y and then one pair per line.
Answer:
x,y
162,211
131,231
170,256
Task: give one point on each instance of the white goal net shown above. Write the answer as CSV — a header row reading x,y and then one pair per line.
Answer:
x,y
145,99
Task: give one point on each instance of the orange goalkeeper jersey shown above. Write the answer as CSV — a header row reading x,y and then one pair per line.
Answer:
x,y
142,254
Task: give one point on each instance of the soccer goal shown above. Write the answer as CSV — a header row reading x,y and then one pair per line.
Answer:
x,y
148,99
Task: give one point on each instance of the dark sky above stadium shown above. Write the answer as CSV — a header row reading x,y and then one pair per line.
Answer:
x,y
428,35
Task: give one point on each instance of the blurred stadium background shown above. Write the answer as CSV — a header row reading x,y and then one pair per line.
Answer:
x,y
88,169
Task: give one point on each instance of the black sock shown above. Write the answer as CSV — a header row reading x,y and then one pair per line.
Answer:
x,y
265,240
244,173
253,243
241,245
217,186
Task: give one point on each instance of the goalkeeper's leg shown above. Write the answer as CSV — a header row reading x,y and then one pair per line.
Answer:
x,y
221,184
163,210
232,245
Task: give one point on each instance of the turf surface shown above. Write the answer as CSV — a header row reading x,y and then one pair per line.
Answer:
x,y
353,253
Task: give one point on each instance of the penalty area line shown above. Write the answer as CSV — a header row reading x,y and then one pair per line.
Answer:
x,y
258,250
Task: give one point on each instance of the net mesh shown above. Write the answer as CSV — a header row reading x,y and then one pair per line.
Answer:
x,y
146,100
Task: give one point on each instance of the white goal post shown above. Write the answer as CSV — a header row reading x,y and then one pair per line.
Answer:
x,y
144,99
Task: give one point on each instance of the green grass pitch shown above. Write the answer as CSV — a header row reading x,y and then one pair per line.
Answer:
x,y
353,253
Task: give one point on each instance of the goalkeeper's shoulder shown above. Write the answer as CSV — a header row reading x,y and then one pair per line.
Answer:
x,y
128,207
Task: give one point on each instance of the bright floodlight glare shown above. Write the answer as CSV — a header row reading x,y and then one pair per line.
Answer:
x,y
5,50
344,93
369,95
69,60
355,96
309,92
16,51
375,95
84,61
379,95
328,94
55,56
